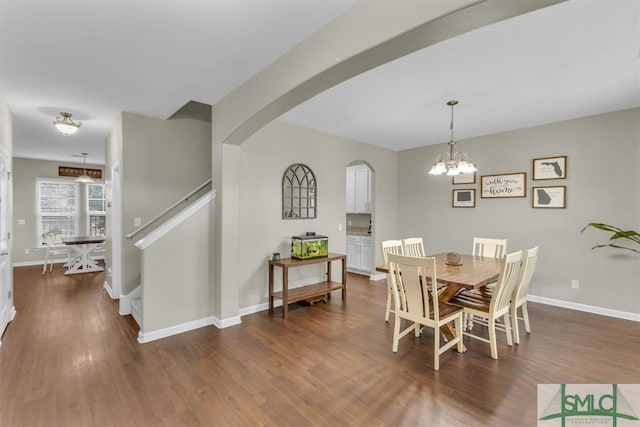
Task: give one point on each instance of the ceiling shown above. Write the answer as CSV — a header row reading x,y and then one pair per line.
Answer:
x,y
99,58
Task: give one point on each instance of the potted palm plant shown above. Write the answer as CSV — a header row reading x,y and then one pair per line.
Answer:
x,y
618,235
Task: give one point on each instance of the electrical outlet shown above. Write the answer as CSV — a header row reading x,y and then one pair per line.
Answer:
x,y
575,284
339,227
27,251
137,222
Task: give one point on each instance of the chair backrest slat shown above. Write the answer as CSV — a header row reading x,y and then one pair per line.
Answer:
x,y
391,247
413,246
494,248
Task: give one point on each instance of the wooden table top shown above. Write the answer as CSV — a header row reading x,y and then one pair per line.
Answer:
x,y
475,271
82,240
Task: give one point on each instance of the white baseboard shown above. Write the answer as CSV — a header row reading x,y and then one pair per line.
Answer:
x,y
259,307
174,330
41,262
30,263
225,323
125,300
378,276
587,308
107,287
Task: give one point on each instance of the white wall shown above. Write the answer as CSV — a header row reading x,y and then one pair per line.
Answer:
x,y
264,158
603,185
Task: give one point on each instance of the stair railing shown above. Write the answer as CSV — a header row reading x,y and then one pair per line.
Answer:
x,y
164,212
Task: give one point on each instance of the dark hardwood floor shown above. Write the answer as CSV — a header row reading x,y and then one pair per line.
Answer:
x,y
69,359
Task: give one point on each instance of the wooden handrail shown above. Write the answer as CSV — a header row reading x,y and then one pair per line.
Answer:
x,y
164,212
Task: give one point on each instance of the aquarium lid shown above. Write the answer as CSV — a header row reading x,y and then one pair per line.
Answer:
x,y
309,237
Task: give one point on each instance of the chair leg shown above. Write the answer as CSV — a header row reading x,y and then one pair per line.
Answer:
x,y
507,329
459,333
525,316
388,310
513,312
436,349
396,333
492,338
46,260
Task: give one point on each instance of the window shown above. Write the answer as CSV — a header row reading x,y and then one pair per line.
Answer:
x,y
57,204
96,208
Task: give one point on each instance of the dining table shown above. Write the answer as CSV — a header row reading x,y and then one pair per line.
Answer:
x,y
82,262
472,272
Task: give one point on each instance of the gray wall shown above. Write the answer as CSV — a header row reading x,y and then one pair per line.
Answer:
x,y
603,183
162,160
264,158
25,172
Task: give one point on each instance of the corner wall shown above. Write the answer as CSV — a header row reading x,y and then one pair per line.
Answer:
x,y
603,185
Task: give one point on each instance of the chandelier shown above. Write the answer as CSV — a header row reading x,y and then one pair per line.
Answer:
x,y
452,163
65,125
84,177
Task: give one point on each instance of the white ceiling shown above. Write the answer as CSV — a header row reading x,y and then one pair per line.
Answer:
x,y
150,57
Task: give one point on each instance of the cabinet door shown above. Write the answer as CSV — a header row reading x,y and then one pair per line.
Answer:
x,y
365,253
363,192
351,190
353,253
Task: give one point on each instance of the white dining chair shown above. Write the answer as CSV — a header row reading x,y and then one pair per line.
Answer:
x,y
413,246
484,246
519,298
390,247
420,304
53,251
498,306
494,248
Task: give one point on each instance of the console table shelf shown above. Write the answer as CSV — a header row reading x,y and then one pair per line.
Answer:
x,y
289,296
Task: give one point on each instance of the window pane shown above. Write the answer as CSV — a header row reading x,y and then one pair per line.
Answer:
x,y
57,209
59,226
96,205
96,191
97,225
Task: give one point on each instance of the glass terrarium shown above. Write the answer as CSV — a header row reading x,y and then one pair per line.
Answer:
x,y
309,246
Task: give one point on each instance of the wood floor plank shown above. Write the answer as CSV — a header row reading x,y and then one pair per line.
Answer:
x,y
69,359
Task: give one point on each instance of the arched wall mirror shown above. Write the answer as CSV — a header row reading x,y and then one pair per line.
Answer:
x,y
298,192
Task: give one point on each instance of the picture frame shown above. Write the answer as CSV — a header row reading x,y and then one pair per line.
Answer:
x,y
464,198
74,172
549,197
550,168
506,185
464,178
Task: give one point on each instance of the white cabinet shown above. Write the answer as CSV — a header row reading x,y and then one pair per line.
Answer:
x,y
358,189
359,253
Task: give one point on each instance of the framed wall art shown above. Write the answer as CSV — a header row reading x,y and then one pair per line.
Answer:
x,y
503,185
549,197
464,178
464,198
550,168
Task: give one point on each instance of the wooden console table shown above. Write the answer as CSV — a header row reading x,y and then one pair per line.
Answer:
x,y
289,296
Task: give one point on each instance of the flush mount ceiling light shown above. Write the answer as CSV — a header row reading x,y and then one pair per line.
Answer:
x,y
456,162
84,177
65,125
